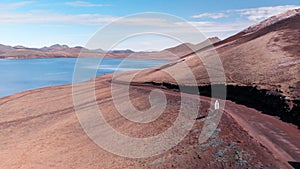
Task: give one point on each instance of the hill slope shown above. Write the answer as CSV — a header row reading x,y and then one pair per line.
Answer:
x,y
263,59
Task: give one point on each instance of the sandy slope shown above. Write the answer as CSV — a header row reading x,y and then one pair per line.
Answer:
x,y
267,58
36,133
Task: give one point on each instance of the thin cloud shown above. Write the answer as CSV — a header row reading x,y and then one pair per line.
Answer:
x,y
211,15
251,14
246,18
15,5
145,21
257,14
220,27
85,4
224,29
50,17
221,30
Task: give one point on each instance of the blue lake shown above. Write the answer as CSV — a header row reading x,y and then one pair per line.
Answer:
x,y
19,75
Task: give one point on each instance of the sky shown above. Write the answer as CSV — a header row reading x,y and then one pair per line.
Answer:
x,y
39,23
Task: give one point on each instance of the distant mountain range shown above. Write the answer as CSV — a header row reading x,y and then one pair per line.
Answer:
x,y
64,51
54,51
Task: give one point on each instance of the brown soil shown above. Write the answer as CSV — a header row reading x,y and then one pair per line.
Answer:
x,y
39,129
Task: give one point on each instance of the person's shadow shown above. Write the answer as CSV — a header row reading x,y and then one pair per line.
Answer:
x,y
294,164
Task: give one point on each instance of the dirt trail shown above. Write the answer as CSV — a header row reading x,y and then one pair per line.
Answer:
x,y
280,138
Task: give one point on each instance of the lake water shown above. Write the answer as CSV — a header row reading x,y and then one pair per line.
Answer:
x,y
19,75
